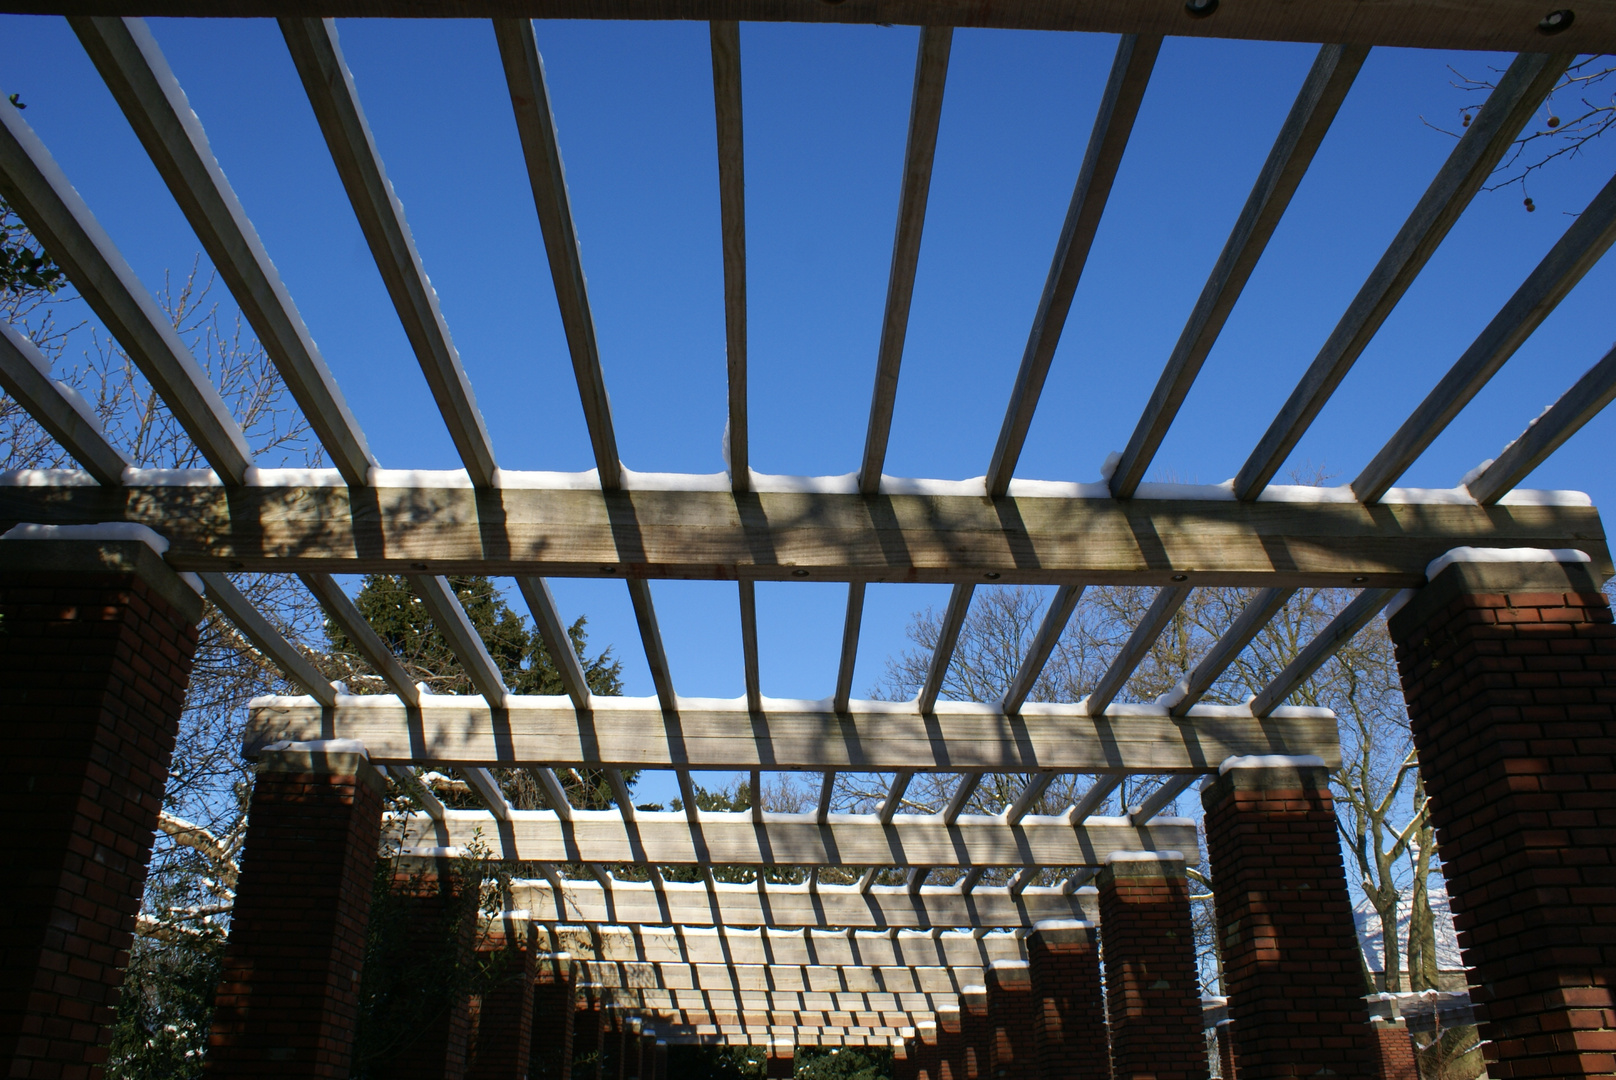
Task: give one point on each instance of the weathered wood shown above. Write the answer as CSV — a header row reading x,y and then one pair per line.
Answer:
x,y
656,657
1507,109
664,1000
1314,109
740,1035
1151,624
556,640
852,623
35,187
1578,405
1130,74
1247,625
451,620
794,1021
749,646
602,836
267,640
688,952
925,113
25,374
959,605
872,736
716,535
535,126
133,67
341,610
1160,799
1056,617
1340,630
725,38
1584,243
330,88
1499,25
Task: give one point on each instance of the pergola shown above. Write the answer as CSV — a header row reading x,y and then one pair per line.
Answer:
x,y
762,962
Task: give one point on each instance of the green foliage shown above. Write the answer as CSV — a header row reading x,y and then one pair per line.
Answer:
x,y
843,1063
161,1027
716,1062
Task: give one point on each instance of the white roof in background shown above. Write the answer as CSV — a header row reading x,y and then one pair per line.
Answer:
x,y
1369,936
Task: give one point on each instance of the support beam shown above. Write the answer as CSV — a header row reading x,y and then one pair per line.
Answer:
x,y
711,535
451,620
134,69
796,1020
1246,626
1583,244
25,374
1160,799
1354,617
331,91
727,1000
1494,127
1314,109
851,625
726,958
1049,634
961,798
353,624
959,605
535,125
1130,74
556,639
267,640
723,735
725,40
1547,433
36,188
1155,620
749,646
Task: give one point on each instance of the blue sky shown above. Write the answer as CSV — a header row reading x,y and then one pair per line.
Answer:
x,y
825,112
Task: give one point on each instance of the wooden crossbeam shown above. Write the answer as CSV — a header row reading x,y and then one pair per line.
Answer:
x,y
1246,626
1125,89
134,69
959,605
35,187
669,838
1582,245
706,734
1520,91
803,1020
708,1035
267,640
1340,630
821,906
662,1000
25,374
1502,25
335,99
1151,624
1314,109
788,536
1049,633
725,43
728,958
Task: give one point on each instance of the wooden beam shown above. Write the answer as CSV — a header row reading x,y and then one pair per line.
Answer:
x,y
663,1000
451,620
740,1035
1050,630
330,88
557,641
36,188
1583,244
751,1018
1246,626
1354,617
1499,25
667,839
1160,799
1578,405
267,640
1130,74
725,39
1314,109
724,735
357,629
134,69
749,646
535,125
691,951
25,374
959,605
1155,620
920,149
852,622
656,657
1507,109
712,535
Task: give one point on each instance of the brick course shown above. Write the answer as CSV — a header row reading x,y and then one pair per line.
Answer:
x,y
1068,1005
1509,671
949,1045
1291,965
1152,986
1012,1052
289,996
505,1013
975,1039
96,645
554,1002
1394,1052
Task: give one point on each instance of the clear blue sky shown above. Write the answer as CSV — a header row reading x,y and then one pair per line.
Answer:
x,y
825,111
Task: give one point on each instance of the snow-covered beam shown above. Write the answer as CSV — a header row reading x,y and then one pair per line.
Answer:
x,y
735,839
690,947
665,1000
804,1019
723,734
781,978
686,527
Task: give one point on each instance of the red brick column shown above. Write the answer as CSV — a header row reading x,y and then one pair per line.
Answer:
x,y
1152,988
1012,1054
1224,1033
289,997
1394,1051
96,641
554,1001
782,1062
589,1032
505,1015
976,1036
950,1045
1291,965
924,1051
628,1058
1509,672
903,1061
662,1060
1068,1031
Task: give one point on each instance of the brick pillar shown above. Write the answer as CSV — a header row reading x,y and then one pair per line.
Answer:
x,y
1068,1006
950,1043
505,1014
96,641
1394,1051
589,1035
289,997
782,1062
434,914
975,1035
1224,1033
554,999
1509,672
1152,988
1291,965
924,1051
1011,1052
903,1061
662,1060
